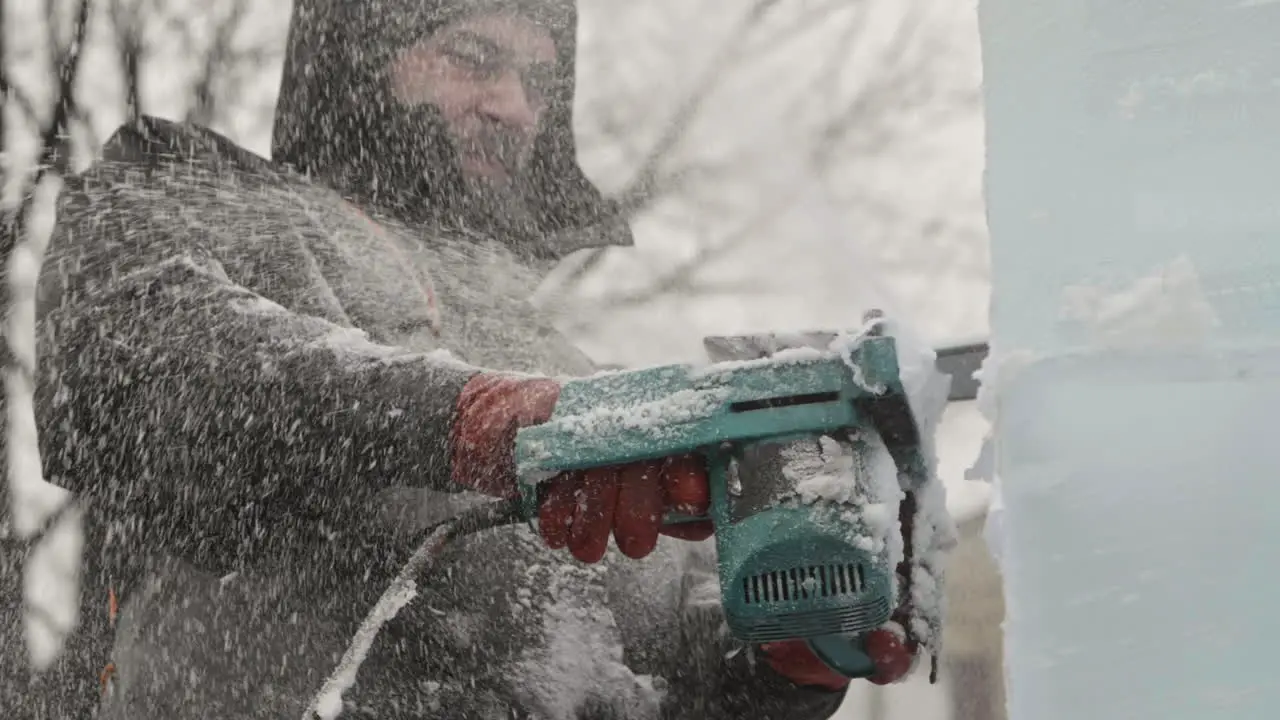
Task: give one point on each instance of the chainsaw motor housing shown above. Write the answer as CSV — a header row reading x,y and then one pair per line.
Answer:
x,y
788,568
792,570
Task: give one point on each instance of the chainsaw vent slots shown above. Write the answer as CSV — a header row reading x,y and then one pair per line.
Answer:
x,y
788,401
803,583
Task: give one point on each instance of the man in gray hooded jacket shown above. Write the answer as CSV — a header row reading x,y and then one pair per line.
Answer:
x,y
266,377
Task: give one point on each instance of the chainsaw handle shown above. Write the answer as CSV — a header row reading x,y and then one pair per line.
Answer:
x,y
681,519
531,497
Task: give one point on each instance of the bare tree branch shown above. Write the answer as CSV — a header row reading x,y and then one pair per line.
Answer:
x,y
54,152
867,119
683,278
814,15
217,62
127,17
6,91
653,173
655,177
52,157
38,195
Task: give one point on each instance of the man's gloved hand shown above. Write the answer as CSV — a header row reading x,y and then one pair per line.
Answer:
x,y
582,509
889,650
579,509
793,660
892,651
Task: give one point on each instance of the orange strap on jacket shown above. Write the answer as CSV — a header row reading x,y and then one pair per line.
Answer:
x,y
113,609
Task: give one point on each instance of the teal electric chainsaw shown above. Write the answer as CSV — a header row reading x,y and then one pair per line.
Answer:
x,y
801,556
790,567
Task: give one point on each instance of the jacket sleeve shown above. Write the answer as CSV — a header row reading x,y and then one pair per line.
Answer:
x,y
221,424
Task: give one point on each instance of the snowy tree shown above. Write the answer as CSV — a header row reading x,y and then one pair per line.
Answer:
x,y
73,70
39,524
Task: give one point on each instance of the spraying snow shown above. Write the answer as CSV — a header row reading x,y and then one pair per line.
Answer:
x,y
328,702
861,477
798,355
845,344
583,661
682,406
933,535
933,532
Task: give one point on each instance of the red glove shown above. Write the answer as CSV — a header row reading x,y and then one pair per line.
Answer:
x,y
891,652
794,660
579,509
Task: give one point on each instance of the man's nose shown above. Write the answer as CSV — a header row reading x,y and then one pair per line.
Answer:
x,y
508,103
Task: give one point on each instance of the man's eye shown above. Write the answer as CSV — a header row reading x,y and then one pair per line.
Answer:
x,y
471,59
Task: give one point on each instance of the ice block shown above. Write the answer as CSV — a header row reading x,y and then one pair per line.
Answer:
x,y
1133,190
1121,134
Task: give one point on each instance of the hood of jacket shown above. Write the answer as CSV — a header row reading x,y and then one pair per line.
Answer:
x,y
337,121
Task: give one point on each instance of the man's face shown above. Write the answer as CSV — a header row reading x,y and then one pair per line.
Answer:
x,y
489,75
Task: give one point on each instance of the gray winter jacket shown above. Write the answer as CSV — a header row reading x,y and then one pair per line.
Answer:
x,y
251,381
